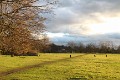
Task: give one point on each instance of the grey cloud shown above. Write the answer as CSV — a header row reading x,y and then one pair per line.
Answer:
x,y
64,15
87,39
72,12
65,39
77,11
67,3
115,36
93,6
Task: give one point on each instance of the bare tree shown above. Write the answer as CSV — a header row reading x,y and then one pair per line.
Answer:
x,y
105,46
72,45
81,47
90,47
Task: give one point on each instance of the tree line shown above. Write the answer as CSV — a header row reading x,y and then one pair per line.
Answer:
x,y
71,47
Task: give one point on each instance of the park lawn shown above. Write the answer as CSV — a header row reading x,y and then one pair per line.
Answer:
x,y
8,63
85,67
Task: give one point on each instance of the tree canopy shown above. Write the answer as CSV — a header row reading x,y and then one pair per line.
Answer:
x,y
19,19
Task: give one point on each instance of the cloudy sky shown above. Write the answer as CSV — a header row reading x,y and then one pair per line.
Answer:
x,y
85,21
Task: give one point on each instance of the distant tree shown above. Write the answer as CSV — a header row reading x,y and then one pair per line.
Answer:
x,y
53,48
72,45
81,47
90,47
118,49
106,47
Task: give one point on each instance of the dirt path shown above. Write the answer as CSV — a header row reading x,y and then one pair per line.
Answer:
x,y
33,66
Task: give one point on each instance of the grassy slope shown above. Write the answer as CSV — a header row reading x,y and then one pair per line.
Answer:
x,y
86,67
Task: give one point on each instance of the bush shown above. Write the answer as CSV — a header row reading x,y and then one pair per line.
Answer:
x,y
30,53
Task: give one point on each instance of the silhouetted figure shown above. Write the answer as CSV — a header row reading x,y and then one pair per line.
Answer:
x,y
70,56
94,55
106,55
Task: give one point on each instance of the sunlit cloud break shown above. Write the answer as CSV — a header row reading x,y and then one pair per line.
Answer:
x,y
54,35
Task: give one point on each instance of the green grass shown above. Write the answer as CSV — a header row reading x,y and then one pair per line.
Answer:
x,y
8,63
85,67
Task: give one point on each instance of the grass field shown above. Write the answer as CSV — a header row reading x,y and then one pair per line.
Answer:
x,y
86,67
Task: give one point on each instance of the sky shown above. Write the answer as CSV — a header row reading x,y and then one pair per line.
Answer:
x,y
85,21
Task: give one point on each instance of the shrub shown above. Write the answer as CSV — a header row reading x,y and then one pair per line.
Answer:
x,y
31,54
